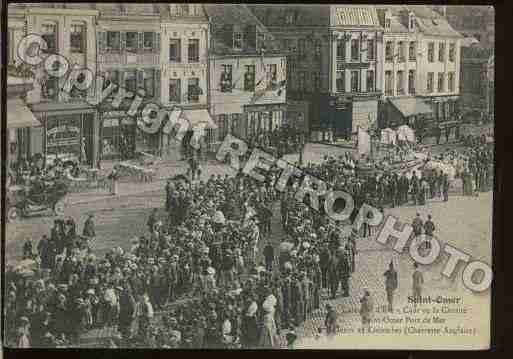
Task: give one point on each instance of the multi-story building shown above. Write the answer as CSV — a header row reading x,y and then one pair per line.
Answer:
x,y
129,47
475,82
184,66
438,63
332,61
472,21
399,104
247,92
421,57
69,122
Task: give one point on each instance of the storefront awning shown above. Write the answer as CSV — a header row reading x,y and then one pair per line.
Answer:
x,y
196,117
411,106
19,115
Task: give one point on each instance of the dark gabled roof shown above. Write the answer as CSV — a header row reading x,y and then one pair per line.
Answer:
x,y
303,15
222,17
430,22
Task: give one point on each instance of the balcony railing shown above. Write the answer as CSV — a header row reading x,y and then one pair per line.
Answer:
x,y
389,92
412,91
125,58
389,58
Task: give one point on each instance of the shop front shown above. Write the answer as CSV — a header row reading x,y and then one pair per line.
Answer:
x,y
445,108
122,139
410,111
69,132
263,118
21,122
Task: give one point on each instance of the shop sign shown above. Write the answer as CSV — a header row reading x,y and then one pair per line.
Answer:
x,y
63,136
265,108
111,122
114,114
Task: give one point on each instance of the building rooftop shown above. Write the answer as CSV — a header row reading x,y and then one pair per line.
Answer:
x,y
223,16
292,15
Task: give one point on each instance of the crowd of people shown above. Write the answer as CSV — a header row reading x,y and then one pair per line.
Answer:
x,y
195,278
281,141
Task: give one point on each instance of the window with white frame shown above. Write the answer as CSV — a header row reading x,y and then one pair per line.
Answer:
x,y
400,48
400,82
193,50
355,81
370,81
441,52
430,81
388,83
249,78
77,38
132,41
412,51
411,82
226,78
272,75
148,40
451,81
370,49
341,81
175,91
452,51
237,40
113,40
389,51
149,82
431,52
175,50
441,82
49,34
193,89
341,50
355,50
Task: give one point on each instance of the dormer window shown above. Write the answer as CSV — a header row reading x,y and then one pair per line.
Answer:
x,y
411,21
388,20
290,19
237,40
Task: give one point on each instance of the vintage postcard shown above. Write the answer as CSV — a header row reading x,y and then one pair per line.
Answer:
x,y
248,176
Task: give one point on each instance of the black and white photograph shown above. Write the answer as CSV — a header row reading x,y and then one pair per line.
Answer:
x,y
248,176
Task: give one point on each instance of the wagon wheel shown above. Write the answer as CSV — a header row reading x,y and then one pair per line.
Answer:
x,y
58,207
13,214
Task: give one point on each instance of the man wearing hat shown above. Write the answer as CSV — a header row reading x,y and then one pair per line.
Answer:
x,y
366,309
330,321
89,227
390,285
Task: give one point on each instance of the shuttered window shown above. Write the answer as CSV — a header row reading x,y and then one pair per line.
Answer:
x,y
175,95
132,41
113,40
174,50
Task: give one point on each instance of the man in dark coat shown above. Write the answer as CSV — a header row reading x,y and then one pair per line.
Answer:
x,y
333,275
152,220
127,311
344,270
445,187
330,322
269,256
324,262
89,227
44,253
390,285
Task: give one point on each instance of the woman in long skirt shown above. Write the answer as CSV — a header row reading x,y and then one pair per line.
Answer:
x,y
113,177
268,334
